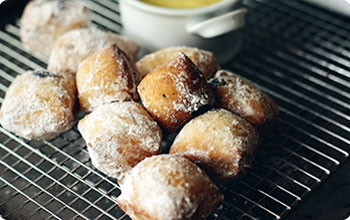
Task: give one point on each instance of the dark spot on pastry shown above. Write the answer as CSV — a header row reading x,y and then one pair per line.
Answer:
x,y
61,4
164,95
217,82
43,73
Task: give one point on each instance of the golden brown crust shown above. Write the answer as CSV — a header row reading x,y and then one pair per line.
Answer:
x,y
220,142
168,187
243,98
104,77
172,92
204,60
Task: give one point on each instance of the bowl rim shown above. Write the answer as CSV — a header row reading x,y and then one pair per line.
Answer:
x,y
178,12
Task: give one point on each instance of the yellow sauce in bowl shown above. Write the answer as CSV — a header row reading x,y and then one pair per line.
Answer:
x,y
181,4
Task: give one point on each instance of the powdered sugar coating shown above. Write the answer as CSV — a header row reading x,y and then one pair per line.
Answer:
x,y
204,60
44,21
166,187
118,136
221,143
105,77
243,98
191,99
39,105
172,92
75,46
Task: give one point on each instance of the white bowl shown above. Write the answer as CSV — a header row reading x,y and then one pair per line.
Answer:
x,y
214,27
340,6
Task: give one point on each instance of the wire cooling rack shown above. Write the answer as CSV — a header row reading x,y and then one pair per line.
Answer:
x,y
297,53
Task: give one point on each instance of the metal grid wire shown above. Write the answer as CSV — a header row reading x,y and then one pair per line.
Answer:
x,y
298,54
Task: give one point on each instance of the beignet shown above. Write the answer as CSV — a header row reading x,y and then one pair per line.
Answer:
x,y
105,77
243,98
44,21
167,187
172,92
118,136
39,105
220,142
74,46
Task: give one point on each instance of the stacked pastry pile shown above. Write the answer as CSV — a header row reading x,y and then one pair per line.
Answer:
x,y
217,113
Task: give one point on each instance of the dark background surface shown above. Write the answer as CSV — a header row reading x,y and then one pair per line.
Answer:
x,y
331,200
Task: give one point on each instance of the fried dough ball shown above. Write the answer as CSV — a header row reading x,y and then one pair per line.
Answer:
x,y
243,98
39,105
118,136
166,187
74,46
44,21
204,60
105,77
220,142
172,92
